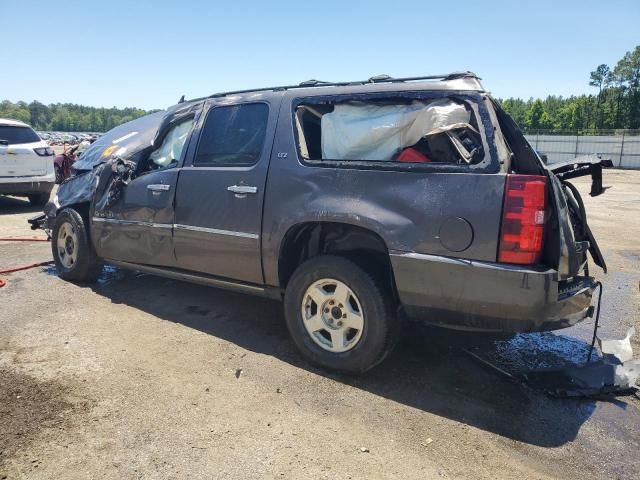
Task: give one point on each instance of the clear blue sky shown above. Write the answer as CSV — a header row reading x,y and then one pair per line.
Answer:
x,y
147,54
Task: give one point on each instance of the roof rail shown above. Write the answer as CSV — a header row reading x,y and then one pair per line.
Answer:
x,y
383,78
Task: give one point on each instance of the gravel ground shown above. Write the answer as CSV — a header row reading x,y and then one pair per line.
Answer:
x,y
143,377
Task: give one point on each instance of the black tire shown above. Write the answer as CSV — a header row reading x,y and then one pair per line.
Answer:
x,y
87,265
381,327
59,176
38,199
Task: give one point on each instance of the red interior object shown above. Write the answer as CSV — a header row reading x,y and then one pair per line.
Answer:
x,y
413,156
523,217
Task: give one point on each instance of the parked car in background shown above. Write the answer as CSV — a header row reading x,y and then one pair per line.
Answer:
x,y
358,204
64,162
26,162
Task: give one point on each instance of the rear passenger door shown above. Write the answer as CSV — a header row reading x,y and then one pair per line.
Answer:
x,y
220,192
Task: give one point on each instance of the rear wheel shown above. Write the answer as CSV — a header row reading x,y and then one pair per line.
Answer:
x,y
38,199
72,251
339,316
59,175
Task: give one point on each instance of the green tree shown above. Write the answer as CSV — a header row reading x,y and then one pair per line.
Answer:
x,y
599,78
534,115
67,116
616,104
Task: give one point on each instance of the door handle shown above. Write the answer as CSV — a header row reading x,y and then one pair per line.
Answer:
x,y
242,189
159,187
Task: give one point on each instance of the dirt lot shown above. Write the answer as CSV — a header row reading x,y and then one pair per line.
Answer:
x,y
143,377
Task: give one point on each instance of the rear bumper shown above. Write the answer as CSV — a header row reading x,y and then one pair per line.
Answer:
x,y
487,296
26,185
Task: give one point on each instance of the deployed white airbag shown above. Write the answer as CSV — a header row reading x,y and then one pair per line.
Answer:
x,y
172,145
365,131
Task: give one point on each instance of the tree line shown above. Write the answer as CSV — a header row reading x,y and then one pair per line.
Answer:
x,y
616,105
68,117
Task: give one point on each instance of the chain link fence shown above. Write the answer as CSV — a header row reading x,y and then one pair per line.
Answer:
x,y
622,146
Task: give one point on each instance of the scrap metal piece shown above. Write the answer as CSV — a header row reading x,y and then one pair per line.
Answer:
x,y
592,379
584,165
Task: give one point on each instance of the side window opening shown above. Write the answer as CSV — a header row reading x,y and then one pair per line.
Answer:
x,y
444,130
168,154
233,135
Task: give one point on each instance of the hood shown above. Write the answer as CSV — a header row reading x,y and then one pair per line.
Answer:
x,y
123,141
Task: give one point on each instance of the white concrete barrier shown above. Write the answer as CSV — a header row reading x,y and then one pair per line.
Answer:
x,y
623,148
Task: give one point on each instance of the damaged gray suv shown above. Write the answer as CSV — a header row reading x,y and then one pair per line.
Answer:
x,y
358,204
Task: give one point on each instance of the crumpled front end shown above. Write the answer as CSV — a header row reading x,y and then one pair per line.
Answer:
x,y
103,185
123,145
75,190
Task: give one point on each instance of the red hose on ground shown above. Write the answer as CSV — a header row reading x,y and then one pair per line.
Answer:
x,y
23,239
17,268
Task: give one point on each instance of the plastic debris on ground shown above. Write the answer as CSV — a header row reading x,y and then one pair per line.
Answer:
x,y
613,372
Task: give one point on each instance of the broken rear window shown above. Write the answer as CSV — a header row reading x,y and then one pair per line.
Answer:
x,y
442,130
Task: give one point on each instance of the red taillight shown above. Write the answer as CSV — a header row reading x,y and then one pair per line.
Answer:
x,y
523,216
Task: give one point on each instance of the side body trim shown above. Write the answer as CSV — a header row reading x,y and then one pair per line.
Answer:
x,y
215,231
176,226
131,222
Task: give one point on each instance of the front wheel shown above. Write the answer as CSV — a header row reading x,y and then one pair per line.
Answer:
x,y
72,251
339,316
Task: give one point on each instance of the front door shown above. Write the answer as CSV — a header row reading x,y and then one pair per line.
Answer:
x,y
220,192
137,227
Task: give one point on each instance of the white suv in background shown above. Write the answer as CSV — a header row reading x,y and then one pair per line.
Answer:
x,y
26,162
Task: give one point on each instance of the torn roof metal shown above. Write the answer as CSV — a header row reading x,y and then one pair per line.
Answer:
x,y
457,81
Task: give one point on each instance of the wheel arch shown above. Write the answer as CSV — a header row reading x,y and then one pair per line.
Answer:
x,y
81,207
310,239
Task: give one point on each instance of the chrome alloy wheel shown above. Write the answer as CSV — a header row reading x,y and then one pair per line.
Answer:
x,y
67,245
332,315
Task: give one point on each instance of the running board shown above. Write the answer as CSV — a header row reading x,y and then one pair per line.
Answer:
x,y
202,279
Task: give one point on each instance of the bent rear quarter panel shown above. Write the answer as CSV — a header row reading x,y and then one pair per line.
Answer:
x,y
406,209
